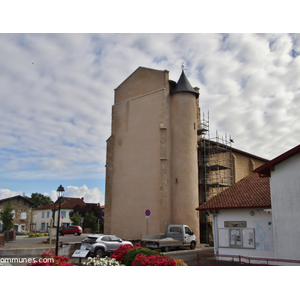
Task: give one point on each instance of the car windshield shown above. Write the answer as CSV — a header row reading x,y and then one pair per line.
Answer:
x,y
89,240
114,238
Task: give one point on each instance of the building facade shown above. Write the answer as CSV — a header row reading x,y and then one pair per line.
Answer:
x,y
152,155
242,219
157,158
258,217
22,213
284,175
46,216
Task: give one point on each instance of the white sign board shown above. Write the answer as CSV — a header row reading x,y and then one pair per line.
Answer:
x,y
80,253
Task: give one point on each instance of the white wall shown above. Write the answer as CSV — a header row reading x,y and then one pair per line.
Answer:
x,y
38,219
261,222
285,196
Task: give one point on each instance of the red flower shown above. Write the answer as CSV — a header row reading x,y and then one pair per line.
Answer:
x,y
153,260
50,259
120,253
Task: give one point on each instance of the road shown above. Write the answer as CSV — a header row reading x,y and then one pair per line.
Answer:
x,y
189,256
22,241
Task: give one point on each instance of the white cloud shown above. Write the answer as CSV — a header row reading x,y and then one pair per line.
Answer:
x,y
90,195
6,193
56,93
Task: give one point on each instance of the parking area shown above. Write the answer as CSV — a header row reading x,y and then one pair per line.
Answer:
x,y
23,241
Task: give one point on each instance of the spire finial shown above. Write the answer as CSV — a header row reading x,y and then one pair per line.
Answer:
x,y
183,66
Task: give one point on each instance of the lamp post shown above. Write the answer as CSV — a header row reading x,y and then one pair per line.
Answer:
x,y
60,190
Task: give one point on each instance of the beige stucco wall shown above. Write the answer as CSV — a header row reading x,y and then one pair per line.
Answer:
x,y
184,171
135,168
244,164
146,152
141,82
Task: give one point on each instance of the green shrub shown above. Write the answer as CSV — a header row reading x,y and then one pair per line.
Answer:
x,y
132,253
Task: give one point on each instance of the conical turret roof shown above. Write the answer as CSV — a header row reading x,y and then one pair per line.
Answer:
x,y
183,85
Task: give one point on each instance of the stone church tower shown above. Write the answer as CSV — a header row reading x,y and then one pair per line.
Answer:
x,y
152,155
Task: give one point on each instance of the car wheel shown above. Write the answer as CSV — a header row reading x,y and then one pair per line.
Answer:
x,y
75,233
193,245
99,252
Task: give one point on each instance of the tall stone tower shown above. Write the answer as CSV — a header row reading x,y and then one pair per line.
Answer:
x,y
152,155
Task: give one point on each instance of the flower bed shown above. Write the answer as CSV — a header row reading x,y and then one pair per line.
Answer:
x,y
139,256
121,252
153,260
106,261
50,259
125,255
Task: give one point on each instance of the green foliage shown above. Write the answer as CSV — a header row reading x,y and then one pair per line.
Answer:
x,y
6,215
75,218
90,221
132,253
40,199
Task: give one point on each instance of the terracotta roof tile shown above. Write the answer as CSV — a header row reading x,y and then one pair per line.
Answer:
x,y
67,202
250,192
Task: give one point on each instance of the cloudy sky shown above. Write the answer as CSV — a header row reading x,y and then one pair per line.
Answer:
x,y
57,91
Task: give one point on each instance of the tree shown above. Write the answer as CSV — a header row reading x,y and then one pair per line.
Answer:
x,y
90,221
40,200
7,216
92,214
75,218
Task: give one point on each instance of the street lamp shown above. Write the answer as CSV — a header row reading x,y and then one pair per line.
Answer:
x,y
60,190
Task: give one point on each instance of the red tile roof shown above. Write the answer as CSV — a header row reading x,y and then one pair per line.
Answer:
x,y
250,192
265,170
67,202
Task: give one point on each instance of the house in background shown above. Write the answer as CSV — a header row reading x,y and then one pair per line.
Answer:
x,y
44,215
284,174
242,221
22,207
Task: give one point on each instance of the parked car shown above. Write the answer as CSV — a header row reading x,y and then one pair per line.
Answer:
x,y
76,230
176,236
101,244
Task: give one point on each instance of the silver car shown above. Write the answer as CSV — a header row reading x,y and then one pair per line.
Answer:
x,y
101,244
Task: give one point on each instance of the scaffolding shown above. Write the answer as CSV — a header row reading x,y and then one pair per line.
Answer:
x,y
215,171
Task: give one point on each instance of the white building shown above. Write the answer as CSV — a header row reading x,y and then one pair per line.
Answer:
x,y
242,220
259,215
284,173
42,216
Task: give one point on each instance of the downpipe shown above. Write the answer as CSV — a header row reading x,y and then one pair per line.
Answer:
x,y
216,233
